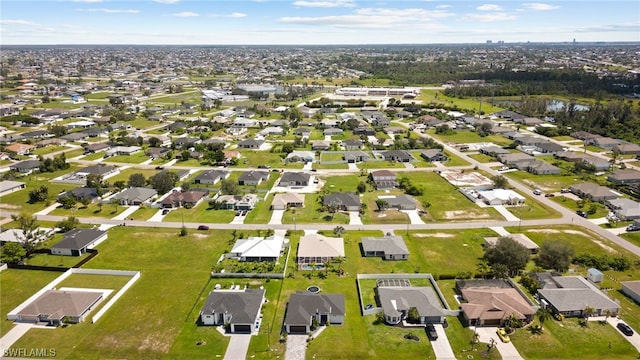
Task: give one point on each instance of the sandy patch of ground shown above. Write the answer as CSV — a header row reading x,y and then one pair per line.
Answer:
x,y
200,236
546,231
608,248
10,206
438,235
462,214
575,232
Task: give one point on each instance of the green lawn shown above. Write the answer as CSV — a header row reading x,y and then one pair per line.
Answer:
x,y
330,166
18,201
94,156
342,183
55,260
93,210
136,158
143,213
311,213
482,158
70,154
17,286
200,214
48,149
455,160
601,209
380,165
463,137
261,214
471,105
124,175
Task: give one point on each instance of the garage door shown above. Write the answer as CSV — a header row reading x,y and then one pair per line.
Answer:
x,y
297,329
242,328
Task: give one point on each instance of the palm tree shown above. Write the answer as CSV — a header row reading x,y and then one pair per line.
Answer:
x,y
587,313
483,268
544,313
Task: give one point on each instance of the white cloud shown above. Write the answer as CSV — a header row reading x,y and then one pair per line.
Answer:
x,y
490,17
235,15
87,1
167,1
489,7
18,22
443,6
539,6
111,11
373,18
186,14
325,4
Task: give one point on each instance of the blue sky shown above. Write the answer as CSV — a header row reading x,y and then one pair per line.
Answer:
x,y
216,22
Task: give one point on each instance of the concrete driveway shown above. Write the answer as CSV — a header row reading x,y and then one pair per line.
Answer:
x,y
441,346
633,339
506,350
276,217
296,347
414,217
237,348
354,218
157,217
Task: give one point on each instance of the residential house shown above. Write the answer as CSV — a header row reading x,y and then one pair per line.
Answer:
x,y
96,147
237,202
512,160
241,122
397,155
19,149
598,163
188,199
122,150
384,179
332,132
301,156
26,167
80,193
397,301
95,132
389,247
315,250
304,307
76,136
343,201
135,196
271,130
8,186
501,197
432,155
493,302
211,177
528,121
250,144
283,201
549,148
156,152
509,115
258,248
363,130
627,149
521,239
304,132
239,309
571,295
540,167
494,151
320,145
291,179
55,307
253,178
76,242
48,142
625,209
186,142
604,142
352,144
593,192
632,289
624,177
400,202
355,156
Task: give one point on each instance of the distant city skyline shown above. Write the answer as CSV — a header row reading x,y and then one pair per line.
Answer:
x,y
314,22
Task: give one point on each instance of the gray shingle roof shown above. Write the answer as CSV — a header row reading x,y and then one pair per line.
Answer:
x,y
423,299
302,305
388,244
243,305
77,239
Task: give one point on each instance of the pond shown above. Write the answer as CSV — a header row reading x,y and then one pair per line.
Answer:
x,y
557,105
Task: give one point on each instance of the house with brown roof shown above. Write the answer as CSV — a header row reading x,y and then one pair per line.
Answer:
x,y
384,179
492,302
187,199
55,306
593,192
626,149
624,177
19,149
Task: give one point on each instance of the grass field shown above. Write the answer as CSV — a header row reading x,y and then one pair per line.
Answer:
x,y
94,156
261,213
48,150
124,175
136,158
143,213
200,214
463,137
93,210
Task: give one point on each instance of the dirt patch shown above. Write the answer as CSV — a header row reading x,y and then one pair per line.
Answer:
x,y
200,236
438,235
608,248
546,231
575,232
462,214
10,206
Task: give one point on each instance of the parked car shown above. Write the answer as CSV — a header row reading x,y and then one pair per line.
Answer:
x,y
203,227
431,332
264,167
159,168
625,329
564,191
581,213
503,335
165,211
368,307
243,213
537,192
633,228
549,195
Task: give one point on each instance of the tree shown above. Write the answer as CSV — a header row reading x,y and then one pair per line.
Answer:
x,y
556,254
183,231
544,314
483,268
587,312
509,253
413,316
31,233
137,180
229,187
362,187
484,129
164,181
68,202
95,181
287,148
499,182
85,201
500,271
381,204
154,142
12,252
69,223
338,230
38,195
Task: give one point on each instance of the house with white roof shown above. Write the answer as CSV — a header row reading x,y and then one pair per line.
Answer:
x,y
501,197
257,248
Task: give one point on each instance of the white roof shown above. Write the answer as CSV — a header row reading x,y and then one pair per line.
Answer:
x,y
259,246
316,245
501,194
17,235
